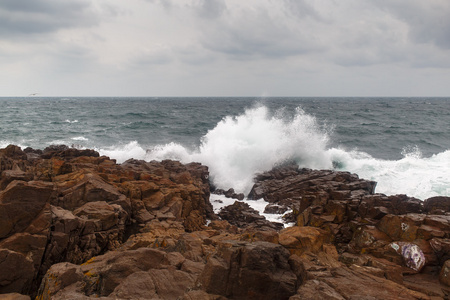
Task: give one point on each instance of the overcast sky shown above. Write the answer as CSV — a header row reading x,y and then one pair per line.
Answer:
x,y
225,47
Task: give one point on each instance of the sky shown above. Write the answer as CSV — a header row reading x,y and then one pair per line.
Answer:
x,y
156,48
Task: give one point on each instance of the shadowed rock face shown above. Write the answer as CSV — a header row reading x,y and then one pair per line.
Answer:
x,y
75,225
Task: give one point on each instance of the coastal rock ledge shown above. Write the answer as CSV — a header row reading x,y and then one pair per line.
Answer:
x,y
77,225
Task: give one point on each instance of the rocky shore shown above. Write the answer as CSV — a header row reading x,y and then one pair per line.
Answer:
x,y
76,225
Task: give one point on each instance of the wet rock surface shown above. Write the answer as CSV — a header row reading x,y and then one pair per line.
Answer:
x,y
75,225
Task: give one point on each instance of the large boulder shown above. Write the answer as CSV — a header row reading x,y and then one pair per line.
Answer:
x,y
134,274
242,215
243,270
299,240
20,203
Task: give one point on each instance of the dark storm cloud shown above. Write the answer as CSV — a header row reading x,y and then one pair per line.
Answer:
x,y
24,17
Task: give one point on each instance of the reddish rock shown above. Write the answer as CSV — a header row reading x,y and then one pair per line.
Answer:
x,y
14,152
257,270
20,203
17,272
138,229
242,215
444,275
437,204
401,227
14,296
442,249
299,240
367,238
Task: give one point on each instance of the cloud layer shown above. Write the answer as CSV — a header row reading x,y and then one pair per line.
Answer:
x,y
225,47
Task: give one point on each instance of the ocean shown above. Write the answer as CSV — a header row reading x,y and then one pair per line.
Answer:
x,y
402,143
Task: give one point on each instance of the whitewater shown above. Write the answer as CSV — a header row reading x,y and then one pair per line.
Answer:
x,y
402,144
256,141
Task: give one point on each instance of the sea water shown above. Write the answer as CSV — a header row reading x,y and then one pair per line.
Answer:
x,y
402,143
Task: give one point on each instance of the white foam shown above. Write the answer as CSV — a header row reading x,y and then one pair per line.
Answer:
x,y
412,175
220,201
238,147
172,151
80,138
256,141
124,152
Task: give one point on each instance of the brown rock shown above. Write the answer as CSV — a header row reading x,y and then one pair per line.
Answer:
x,y
441,222
242,215
444,275
165,284
81,188
59,277
15,152
14,296
427,284
17,272
369,237
30,246
105,215
257,270
315,290
303,239
437,204
442,248
400,227
9,176
20,203
201,295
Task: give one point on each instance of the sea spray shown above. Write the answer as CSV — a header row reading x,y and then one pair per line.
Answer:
x,y
412,175
124,152
240,146
368,137
256,141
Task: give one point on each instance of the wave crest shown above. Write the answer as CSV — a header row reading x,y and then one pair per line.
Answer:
x,y
240,146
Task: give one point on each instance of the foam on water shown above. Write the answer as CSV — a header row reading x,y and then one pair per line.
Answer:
x,y
413,175
123,152
256,141
238,147
220,201
80,138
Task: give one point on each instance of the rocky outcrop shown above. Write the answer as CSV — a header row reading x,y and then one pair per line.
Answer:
x,y
403,237
242,270
76,225
68,205
242,215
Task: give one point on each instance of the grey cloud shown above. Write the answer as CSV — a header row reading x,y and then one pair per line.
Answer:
x,y
167,4
23,17
194,55
211,8
149,58
203,8
301,9
428,21
69,59
255,34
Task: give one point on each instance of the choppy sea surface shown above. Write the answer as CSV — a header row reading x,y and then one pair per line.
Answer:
x,y
402,143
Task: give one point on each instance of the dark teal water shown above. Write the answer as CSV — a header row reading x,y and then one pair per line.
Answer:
x,y
376,137
382,127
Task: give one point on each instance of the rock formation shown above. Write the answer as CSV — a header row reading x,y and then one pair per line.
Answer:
x,y
76,225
